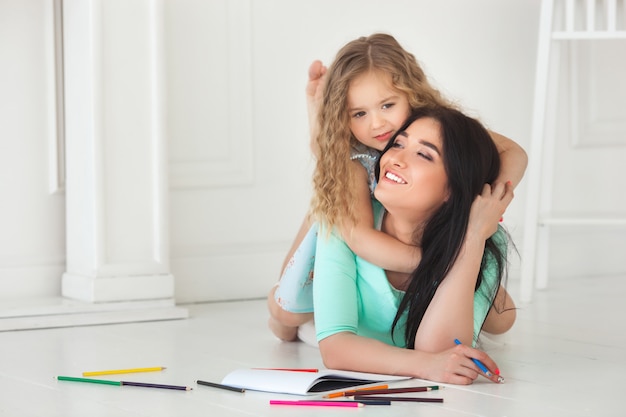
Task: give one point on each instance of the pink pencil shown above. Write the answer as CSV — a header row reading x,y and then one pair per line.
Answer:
x,y
290,369
316,403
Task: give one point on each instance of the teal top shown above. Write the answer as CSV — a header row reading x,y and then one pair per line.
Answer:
x,y
353,295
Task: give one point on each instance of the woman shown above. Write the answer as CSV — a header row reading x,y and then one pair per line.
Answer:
x,y
433,181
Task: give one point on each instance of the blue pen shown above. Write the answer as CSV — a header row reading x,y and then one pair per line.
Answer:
x,y
481,365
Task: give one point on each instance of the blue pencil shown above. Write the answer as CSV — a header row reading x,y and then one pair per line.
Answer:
x,y
481,365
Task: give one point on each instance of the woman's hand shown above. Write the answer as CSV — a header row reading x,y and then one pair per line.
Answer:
x,y
455,366
488,208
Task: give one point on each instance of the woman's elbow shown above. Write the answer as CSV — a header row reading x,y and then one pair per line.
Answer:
x,y
500,322
331,353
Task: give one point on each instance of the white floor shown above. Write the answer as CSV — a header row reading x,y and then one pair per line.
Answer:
x,y
565,357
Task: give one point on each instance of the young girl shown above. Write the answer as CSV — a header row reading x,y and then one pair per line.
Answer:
x,y
355,107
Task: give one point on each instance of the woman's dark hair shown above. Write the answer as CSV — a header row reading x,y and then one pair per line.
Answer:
x,y
471,160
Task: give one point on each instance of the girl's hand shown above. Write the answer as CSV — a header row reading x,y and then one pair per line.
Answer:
x,y
455,366
488,208
314,90
314,86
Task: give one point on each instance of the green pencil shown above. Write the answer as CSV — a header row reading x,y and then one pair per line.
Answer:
x,y
93,381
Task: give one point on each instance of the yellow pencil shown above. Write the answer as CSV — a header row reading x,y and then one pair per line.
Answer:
x,y
123,371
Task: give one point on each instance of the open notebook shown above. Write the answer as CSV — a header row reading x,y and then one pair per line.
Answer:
x,y
303,383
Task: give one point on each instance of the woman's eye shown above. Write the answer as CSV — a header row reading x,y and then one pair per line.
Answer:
x,y
396,145
425,156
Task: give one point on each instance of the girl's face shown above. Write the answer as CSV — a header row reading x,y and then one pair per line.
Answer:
x,y
412,174
376,109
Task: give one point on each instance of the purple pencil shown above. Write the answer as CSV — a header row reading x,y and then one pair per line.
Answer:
x,y
147,385
407,399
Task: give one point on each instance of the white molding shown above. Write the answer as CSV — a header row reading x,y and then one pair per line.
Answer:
x,y
56,126
236,166
160,180
98,289
42,313
117,192
591,128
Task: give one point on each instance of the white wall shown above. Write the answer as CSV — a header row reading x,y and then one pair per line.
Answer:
x,y
481,53
32,214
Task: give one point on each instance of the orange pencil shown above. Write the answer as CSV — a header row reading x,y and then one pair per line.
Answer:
x,y
343,394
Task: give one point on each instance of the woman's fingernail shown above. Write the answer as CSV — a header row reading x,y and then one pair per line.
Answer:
x,y
501,219
497,371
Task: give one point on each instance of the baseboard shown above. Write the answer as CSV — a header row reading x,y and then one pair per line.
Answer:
x,y
30,314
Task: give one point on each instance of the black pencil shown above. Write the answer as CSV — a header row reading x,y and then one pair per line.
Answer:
x,y
365,402
408,399
390,391
147,385
221,386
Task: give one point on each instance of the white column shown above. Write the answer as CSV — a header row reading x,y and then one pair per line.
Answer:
x,y
116,157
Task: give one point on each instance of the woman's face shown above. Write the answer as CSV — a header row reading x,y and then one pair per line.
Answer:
x,y
376,109
412,173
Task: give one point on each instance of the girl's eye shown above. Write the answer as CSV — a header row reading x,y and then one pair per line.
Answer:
x,y
388,105
358,114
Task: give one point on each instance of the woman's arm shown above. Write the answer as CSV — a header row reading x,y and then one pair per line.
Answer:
x,y
502,313
513,159
337,321
450,314
373,245
351,352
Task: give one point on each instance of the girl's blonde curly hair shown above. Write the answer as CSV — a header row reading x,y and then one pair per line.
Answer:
x,y
333,199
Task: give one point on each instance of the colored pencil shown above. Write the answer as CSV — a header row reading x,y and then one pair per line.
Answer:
x,y
314,403
407,399
147,385
221,386
90,380
290,369
343,394
366,402
123,371
122,383
390,391
481,365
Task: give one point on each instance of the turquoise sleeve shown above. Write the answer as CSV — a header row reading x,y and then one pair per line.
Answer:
x,y
483,297
334,289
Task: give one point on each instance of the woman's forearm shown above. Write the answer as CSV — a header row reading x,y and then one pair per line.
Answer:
x,y
356,353
348,351
450,314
